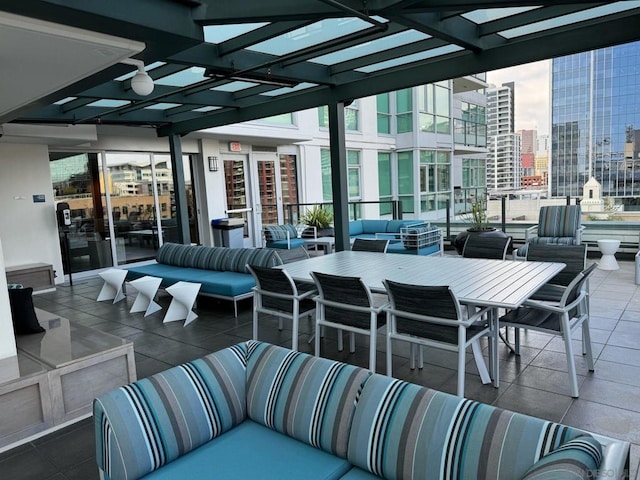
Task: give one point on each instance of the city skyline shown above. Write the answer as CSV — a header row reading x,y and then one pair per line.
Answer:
x,y
531,93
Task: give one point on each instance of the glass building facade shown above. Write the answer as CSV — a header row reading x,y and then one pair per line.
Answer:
x,y
595,117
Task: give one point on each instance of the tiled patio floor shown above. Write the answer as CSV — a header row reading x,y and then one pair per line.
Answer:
x,y
535,383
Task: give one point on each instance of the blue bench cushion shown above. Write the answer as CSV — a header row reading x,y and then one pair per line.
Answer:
x,y
402,430
308,398
374,226
153,269
358,474
253,451
228,284
160,418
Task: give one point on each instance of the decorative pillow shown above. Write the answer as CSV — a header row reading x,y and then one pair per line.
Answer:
x,y
24,316
576,459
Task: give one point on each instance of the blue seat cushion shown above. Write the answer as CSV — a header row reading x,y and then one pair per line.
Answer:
x,y
294,242
229,284
251,450
153,269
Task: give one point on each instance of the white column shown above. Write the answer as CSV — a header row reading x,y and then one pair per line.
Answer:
x,y
7,338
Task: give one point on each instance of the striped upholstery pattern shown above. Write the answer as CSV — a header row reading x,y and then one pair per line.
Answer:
x,y
577,459
162,417
308,398
279,232
209,258
558,221
238,258
402,430
175,254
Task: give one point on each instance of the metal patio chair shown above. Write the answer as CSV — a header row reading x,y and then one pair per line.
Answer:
x,y
432,316
346,303
276,293
559,319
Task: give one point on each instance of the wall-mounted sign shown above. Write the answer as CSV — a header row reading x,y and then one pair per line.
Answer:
x,y
235,147
39,198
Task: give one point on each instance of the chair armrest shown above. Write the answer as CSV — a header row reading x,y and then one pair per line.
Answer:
x,y
530,232
579,234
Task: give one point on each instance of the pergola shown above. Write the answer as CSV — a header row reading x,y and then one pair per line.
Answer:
x,y
219,62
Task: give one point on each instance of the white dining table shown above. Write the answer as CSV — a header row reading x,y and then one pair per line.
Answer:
x,y
480,282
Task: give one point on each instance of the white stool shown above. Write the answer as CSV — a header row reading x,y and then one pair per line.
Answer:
x,y
113,282
184,296
147,287
608,248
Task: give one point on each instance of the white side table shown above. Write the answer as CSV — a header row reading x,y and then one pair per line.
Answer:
x,y
113,282
608,248
184,296
147,287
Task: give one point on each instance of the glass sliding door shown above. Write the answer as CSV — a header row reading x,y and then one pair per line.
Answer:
x,y
121,213
133,202
78,181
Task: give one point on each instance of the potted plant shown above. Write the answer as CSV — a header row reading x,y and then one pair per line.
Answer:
x,y
321,219
479,225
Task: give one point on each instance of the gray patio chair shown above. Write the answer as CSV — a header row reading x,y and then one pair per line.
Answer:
x,y
559,319
346,303
432,316
276,293
292,254
370,245
478,246
574,256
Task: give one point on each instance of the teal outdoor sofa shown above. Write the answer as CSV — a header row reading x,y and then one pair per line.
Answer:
x,y
221,271
259,411
413,237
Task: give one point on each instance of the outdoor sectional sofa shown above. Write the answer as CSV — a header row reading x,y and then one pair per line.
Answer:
x,y
221,271
256,410
405,236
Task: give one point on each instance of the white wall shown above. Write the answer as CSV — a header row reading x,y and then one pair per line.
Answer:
x,y
7,339
28,230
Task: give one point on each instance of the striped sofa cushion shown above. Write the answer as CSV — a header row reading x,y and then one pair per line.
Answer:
x,y
162,417
559,221
279,232
308,398
209,258
577,459
238,259
402,430
175,254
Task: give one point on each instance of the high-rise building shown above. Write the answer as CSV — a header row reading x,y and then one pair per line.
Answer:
x,y
503,160
528,150
596,121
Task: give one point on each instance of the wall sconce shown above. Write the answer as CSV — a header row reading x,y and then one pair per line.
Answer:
x,y
213,164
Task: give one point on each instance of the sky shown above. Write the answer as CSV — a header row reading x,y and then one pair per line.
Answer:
x,y
532,93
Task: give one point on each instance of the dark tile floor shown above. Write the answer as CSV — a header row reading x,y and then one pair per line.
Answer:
x,y
534,383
